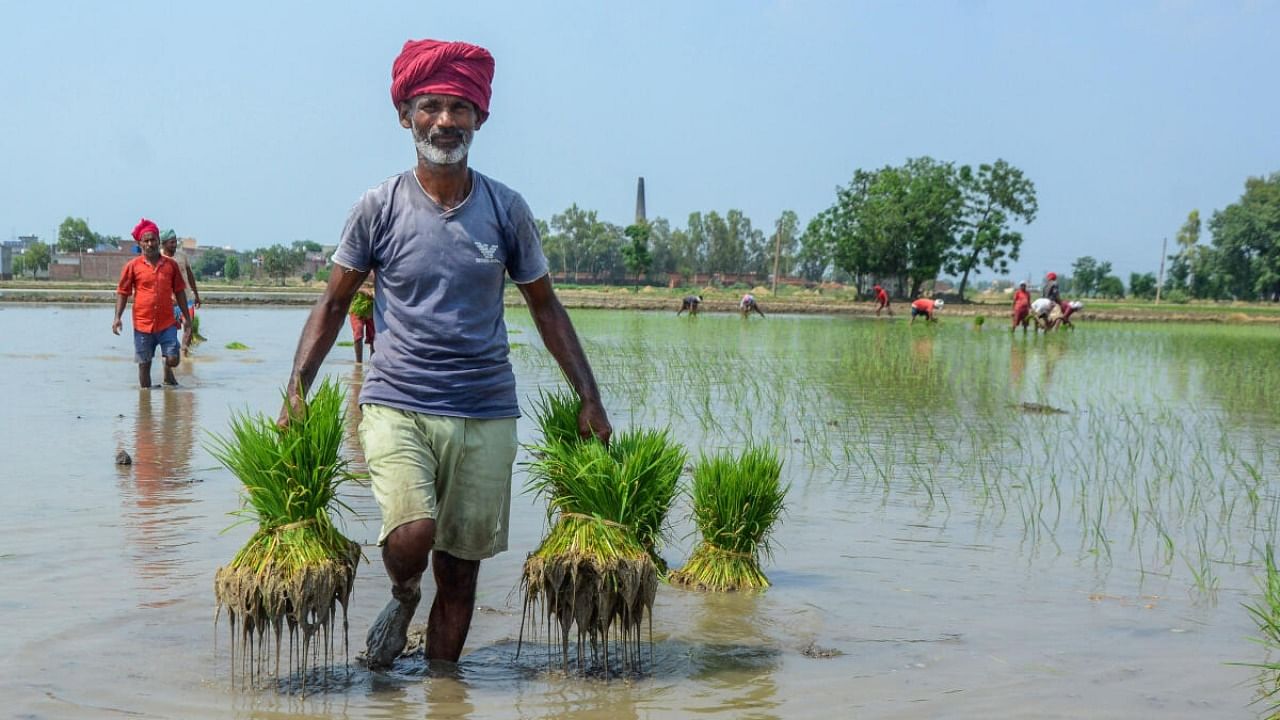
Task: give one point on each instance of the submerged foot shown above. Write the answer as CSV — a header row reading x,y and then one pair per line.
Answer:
x,y
390,632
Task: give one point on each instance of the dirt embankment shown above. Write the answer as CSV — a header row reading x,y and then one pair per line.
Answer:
x,y
625,299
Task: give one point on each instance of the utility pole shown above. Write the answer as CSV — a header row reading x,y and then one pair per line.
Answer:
x,y
1164,248
777,253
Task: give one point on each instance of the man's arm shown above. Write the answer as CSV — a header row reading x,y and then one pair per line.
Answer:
x,y
121,302
191,281
318,334
181,295
562,341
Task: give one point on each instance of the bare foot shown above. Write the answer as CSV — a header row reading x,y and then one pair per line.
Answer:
x,y
390,632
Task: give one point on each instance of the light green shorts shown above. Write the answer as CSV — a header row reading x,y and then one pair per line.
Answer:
x,y
454,470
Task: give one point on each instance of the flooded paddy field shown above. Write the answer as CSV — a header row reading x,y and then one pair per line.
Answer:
x,y
978,525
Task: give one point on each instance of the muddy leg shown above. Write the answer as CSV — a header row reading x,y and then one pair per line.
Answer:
x,y
405,555
170,362
390,632
144,374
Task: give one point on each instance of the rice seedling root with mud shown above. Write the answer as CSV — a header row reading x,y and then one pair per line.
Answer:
x,y
297,567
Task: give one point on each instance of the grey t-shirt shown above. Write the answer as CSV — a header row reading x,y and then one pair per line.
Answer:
x,y
441,341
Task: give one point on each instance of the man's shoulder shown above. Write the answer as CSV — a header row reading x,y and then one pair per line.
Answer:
x,y
499,190
378,197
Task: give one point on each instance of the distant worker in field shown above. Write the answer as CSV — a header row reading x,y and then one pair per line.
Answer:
x,y
154,282
1051,288
1021,307
169,246
1046,313
926,307
361,317
690,303
882,300
1069,309
748,305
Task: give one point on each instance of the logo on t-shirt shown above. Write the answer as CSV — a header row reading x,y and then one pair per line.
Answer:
x,y
487,252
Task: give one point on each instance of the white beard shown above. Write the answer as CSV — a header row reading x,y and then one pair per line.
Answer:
x,y
440,156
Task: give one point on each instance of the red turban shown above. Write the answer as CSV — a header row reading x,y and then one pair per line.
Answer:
x,y
447,68
144,226
1052,276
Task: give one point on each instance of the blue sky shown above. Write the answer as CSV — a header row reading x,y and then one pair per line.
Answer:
x,y
248,124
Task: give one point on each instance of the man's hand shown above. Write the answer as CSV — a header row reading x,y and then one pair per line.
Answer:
x,y
293,407
115,326
592,420
197,302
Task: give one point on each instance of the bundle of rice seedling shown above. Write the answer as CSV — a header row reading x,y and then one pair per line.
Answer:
x,y
297,567
196,337
361,305
736,501
596,568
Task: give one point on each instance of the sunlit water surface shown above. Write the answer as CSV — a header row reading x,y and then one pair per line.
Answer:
x,y
977,526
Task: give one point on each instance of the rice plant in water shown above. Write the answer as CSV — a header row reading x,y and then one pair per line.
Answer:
x,y
1266,615
736,502
297,567
596,568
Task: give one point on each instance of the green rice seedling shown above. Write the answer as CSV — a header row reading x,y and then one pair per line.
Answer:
x,y
361,306
196,337
297,567
736,502
557,417
597,567
236,345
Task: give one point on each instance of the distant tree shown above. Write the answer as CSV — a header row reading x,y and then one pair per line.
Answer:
x,y
231,269
1142,285
636,254
211,262
895,222
689,246
994,195
1087,274
725,249
660,244
786,236
814,256
307,246
1246,235
1111,287
19,265
36,257
279,261
581,240
74,236
1189,233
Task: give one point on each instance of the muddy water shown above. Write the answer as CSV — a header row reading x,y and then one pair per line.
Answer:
x,y
948,551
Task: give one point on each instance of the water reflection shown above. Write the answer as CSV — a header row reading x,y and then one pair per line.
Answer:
x,y
1017,364
733,655
156,489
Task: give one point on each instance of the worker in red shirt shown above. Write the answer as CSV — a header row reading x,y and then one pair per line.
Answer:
x,y
925,307
155,283
1021,307
882,300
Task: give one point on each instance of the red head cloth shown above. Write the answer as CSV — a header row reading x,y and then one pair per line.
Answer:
x,y
144,226
1052,276
448,68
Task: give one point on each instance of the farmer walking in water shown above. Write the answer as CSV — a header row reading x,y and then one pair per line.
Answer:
x,y
169,246
439,399
155,284
1021,308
